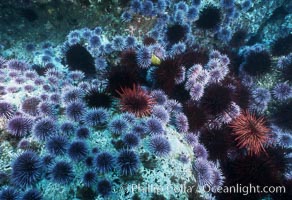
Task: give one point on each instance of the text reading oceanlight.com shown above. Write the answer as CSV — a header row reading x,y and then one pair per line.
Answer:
x,y
236,189
246,189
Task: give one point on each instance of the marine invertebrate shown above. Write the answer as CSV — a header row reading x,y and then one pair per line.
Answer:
x,y
200,151
95,97
135,100
159,96
284,139
246,5
26,169
47,109
251,132
181,122
77,57
77,150
55,98
96,117
100,63
144,57
154,126
9,194
75,110
148,41
263,170
126,16
30,106
121,77
136,6
159,145
104,187
24,144
131,140
197,116
177,48
261,95
89,178
191,139
210,17
118,125
16,65
197,91
218,142
216,99
45,128
19,126
282,91
29,88
282,45
168,74
176,33
183,158
89,161
131,41
282,115
118,43
130,117
94,41
62,173
238,38
161,113
147,8
227,3
72,94
57,145
67,128
128,162
6,110
82,133
217,176
104,162
260,59
139,129
32,194
204,171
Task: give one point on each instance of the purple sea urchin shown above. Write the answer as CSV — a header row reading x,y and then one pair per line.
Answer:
x,y
26,169
45,128
6,110
159,146
57,145
19,126
30,106
131,140
32,194
96,117
154,126
77,150
118,125
62,173
89,178
104,162
9,194
104,187
75,110
128,162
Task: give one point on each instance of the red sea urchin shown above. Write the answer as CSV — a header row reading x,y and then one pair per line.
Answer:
x,y
251,132
135,100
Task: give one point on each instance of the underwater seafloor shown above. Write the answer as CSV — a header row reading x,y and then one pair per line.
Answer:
x,y
145,99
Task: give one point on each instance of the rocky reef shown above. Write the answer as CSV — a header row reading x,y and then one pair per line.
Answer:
x,y
145,99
